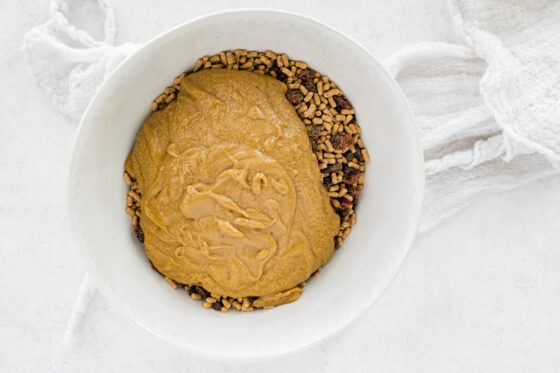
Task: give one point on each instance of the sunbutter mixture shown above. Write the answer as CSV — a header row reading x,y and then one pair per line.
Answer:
x,y
232,198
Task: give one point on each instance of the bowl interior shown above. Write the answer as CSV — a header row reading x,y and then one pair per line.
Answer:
x,y
357,274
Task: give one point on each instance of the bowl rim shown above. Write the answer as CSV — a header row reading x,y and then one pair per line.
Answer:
x,y
416,210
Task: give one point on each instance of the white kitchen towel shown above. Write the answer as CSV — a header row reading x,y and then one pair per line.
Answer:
x,y
467,150
488,113
68,63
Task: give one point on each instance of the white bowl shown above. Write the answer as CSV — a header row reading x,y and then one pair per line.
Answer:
x,y
360,270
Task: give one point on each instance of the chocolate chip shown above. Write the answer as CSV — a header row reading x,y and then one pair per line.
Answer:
x,y
217,306
279,74
139,233
351,176
349,156
200,290
342,103
336,244
344,213
294,96
314,131
358,155
342,141
314,144
307,74
310,86
327,182
333,168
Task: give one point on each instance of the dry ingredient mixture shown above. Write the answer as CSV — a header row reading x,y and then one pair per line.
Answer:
x,y
253,165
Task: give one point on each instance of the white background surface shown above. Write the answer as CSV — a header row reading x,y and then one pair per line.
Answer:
x,y
479,293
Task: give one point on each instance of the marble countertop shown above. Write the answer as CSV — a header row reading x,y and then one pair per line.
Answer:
x,y
479,293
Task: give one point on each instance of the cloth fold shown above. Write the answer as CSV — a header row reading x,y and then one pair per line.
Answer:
x,y
467,152
69,64
488,111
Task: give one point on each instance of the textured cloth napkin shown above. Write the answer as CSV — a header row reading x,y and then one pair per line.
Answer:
x,y
488,113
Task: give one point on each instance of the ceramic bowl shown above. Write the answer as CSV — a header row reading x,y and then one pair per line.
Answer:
x,y
359,271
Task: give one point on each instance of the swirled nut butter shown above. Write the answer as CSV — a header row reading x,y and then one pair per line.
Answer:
x,y
232,198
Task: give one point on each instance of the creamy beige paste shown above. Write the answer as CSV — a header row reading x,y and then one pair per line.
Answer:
x,y
232,198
